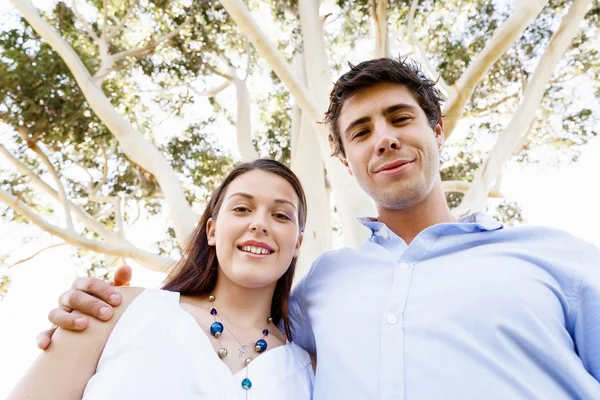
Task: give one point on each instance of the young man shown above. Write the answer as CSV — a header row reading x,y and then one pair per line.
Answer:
x,y
429,307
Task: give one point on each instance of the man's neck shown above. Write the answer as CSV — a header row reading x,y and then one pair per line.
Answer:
x,y
408,223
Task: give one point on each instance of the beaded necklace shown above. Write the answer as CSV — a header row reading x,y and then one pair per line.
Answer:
x,y
216,329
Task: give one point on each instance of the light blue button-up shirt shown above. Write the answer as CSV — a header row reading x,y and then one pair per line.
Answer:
x,y
468,310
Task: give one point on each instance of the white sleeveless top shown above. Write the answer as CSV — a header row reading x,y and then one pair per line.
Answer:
x,y
157,351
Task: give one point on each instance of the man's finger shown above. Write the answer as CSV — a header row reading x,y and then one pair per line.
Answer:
x,y
85,304
44,338
97,288
67,320
122,276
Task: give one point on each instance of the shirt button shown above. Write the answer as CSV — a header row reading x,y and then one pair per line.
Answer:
x,y
404,265
392,319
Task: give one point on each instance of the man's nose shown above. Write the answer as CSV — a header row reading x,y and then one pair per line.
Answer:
x,y
388,139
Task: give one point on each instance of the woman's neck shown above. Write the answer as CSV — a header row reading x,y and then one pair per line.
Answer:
x,y
246,308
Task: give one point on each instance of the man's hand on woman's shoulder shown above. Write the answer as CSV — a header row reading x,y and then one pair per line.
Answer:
x,y
89,296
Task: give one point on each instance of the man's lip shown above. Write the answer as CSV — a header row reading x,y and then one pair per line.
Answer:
x,y
256,244
392,165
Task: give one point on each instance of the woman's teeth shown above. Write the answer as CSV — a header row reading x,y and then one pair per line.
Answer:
x,y
255,250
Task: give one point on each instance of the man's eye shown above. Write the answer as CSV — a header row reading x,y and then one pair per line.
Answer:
x,y
360,133
400,119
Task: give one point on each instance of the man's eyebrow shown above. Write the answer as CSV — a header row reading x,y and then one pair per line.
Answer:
x,y
355,123
400,106
250,197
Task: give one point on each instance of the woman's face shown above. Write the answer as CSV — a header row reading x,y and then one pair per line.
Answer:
x,y
256,232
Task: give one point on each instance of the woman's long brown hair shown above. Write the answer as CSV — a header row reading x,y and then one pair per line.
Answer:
x,y
196,273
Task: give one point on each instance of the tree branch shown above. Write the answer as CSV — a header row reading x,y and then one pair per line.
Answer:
x,y
423,52
88,28
504,36
463,187
105,22
150,47
116,206
133,143
521,122
84,217
490,107
121,24
62,194
213,91
104,168
36,254
381,28
154,261
215,71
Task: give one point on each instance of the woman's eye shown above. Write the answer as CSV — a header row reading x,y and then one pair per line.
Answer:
x,y
241,209
282,216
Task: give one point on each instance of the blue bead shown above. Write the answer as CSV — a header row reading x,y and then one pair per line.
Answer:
x,y
213,311
216,329
261,345
246,384
266,332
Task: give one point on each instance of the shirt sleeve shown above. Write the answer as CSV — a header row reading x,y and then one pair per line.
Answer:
x,y
302,333
587,322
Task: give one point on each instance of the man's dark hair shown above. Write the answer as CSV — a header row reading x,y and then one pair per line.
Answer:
x,y
373,72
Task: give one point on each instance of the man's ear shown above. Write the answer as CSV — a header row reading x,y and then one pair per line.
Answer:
x,y
345,163
210,232
439,134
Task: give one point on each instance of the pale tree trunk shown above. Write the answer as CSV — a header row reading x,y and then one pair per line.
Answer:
x,y
350,199
243,125
137,148
308,165
310,170
518,127
381,28
504,36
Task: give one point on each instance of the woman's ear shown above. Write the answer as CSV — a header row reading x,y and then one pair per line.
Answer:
x,y
210,232
298,245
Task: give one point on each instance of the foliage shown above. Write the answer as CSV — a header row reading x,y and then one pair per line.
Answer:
x,y
154,90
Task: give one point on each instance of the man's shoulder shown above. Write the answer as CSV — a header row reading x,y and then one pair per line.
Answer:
x,y
553,243
547,235
333,256
328,262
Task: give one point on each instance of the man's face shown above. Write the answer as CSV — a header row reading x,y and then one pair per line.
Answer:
x,y
390,147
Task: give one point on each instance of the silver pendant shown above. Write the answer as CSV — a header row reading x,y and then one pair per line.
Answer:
x,y
242,350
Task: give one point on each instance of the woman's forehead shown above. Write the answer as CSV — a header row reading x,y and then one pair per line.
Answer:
x,y
262,185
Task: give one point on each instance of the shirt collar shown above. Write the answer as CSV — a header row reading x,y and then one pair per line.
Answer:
x,y
475,222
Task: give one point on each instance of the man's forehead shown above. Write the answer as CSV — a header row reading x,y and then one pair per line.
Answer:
x,y
375,99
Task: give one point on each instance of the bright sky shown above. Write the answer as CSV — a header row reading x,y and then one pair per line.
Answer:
x,y
565,198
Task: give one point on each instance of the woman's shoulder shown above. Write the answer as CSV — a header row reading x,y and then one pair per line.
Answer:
x,y
146,298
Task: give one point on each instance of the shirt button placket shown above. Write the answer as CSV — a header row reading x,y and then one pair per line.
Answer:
x,y
392,366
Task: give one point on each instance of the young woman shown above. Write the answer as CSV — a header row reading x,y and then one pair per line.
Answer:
x,y
211,332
